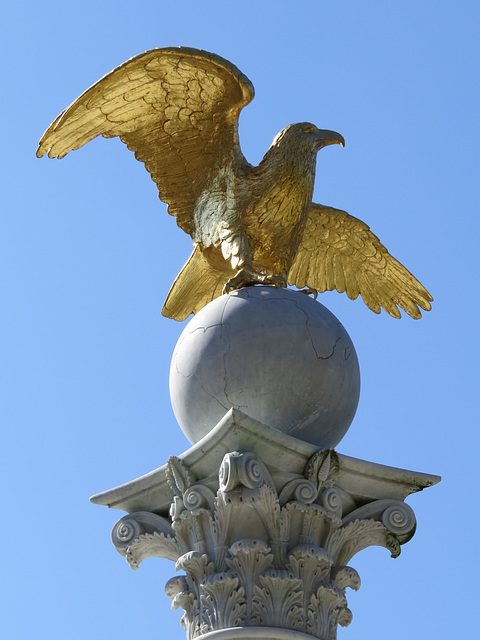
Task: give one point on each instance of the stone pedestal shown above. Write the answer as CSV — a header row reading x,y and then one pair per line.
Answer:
x,y
263,527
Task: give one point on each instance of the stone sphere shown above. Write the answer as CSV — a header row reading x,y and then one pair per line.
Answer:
x,y
275,354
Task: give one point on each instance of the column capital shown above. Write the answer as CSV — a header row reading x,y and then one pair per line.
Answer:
x,y
264,527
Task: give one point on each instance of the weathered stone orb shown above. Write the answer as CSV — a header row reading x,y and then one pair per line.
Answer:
x,y
277,355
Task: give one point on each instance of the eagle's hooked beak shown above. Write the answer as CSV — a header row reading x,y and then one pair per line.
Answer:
x,y
325,137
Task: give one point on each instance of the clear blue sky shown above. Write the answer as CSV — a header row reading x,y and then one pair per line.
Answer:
x,y
88,254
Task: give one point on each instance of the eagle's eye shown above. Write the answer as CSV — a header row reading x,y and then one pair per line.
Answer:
x,y
309,129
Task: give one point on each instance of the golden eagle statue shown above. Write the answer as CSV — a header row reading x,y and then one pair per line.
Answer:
x,y
177,109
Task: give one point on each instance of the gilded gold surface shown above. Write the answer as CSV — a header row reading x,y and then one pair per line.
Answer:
x,y
177,109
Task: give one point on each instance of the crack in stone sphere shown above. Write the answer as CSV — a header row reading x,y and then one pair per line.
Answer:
x,y
275,354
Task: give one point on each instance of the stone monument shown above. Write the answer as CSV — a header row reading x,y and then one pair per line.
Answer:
x,y
262,515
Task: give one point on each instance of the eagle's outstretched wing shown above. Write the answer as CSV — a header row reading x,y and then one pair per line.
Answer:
x,y
338,251
176,108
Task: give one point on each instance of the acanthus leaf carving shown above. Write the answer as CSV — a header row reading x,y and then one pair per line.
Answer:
x,y
322,468
327,608
312,523
267,505
220,528
347,541
190,620
278,600
193,528
176,586
288,569
152,545
179,476
311,564
343,577
393,545
222,602
197,566
248,560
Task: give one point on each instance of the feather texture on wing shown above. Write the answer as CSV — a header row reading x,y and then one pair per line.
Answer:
x,y
176,108
338,251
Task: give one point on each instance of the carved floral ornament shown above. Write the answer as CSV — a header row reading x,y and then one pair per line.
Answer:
x,y
256,555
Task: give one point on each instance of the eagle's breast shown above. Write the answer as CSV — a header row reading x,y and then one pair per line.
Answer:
x,y
278,208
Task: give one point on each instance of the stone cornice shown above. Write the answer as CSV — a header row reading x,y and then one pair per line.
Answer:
x,y
361,479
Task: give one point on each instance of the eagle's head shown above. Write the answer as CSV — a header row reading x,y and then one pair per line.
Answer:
x,y
306,136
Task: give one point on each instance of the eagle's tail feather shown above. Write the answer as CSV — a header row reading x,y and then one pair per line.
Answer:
x,y
197,284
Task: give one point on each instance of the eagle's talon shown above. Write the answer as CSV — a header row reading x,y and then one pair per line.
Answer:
x,y
247,278
308,291
243,278
278,281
